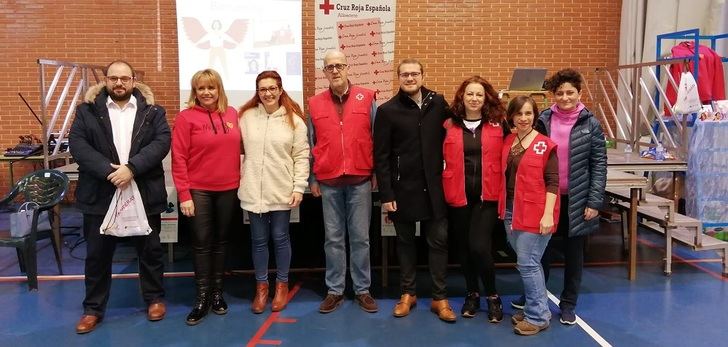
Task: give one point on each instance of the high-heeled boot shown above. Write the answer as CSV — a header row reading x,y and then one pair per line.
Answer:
x,y
201,307
261,297
281,297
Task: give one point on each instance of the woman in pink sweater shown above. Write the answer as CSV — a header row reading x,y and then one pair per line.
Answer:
x,y
206,136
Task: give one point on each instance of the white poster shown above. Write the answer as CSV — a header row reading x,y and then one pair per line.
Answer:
x,y
240,39
364,31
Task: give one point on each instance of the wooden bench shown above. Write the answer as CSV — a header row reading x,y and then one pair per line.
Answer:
x,y
677,227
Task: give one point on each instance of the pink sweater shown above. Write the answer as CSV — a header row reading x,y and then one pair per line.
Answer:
x,y
561,124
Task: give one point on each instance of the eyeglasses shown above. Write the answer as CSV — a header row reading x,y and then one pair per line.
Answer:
x,y
272,90
410,74
123,79
339,67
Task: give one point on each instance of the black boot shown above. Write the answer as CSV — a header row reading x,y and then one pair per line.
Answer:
x,y
219,306
200,309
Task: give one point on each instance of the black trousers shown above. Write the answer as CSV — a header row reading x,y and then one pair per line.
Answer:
x,y
435,232
573,249
210,224
474,225
99,256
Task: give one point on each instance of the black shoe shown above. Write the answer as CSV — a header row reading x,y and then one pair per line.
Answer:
x,y
471,305
495,309
519,302
199,310
219,306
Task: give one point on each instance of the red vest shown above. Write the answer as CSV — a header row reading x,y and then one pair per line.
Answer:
x,y
453,176
343,145
529,196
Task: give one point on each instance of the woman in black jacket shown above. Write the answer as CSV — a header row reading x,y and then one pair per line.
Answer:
x,y
583,174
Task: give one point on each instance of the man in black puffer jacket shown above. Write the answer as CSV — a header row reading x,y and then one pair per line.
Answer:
x,y
119,117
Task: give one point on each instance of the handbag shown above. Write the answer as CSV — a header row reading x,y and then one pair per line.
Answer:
x,y
126,215
688,100
21,222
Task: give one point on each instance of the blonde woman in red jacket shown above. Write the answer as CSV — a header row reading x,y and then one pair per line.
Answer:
x,y
529,205
472,181
205,136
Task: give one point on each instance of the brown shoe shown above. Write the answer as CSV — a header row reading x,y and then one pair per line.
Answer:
x,y
443,310
405,304
156,311
331,302
367,303
280,298
261,297
518,316
525,328
87,324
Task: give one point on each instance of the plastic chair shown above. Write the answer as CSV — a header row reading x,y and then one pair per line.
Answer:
x,y
47,188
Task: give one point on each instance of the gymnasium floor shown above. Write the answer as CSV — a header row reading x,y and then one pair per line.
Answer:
x,y
687,309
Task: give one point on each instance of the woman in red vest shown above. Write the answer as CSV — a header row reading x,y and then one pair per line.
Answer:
x,y
529,205
471,181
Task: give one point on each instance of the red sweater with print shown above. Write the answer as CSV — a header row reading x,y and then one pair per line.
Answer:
x,y
205,151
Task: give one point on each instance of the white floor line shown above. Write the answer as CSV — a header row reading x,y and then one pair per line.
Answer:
x,y
588,329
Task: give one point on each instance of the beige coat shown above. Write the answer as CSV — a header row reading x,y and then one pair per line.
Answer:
x,y
276,160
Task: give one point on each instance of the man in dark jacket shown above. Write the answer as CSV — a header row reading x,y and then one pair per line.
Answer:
x,y
408,137
119,116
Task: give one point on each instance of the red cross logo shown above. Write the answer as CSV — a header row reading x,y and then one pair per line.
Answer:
x,y
326,6
360,96
540,147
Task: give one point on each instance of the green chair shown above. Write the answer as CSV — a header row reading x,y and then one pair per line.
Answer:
x,y
46,188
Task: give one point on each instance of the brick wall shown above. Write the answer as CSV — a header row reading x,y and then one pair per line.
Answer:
x,y
454,39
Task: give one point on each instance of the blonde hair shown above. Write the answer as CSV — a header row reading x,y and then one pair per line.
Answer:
x,y
212,77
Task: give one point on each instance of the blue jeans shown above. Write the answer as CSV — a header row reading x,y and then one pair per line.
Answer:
x,y
529,248
347,208
263,226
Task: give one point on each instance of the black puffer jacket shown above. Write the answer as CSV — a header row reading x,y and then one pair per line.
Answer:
x,y
92,145
587,169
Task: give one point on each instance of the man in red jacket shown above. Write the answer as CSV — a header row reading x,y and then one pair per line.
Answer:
x,y
341,140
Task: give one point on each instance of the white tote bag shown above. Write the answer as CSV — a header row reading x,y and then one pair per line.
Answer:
x,y
126,215
688,100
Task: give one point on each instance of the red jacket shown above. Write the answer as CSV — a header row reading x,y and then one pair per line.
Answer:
x,y
529,198
710,72
343,145
453,176
205,151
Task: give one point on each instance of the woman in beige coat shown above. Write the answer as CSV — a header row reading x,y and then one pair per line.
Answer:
x,y
274,177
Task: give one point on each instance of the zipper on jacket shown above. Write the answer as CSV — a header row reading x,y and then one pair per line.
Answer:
x,y
262,166
341,127
398,175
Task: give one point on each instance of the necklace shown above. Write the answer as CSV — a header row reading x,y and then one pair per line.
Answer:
x,y
524,136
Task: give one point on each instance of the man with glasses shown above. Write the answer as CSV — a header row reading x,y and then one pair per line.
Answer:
x,y
408,137
340,133
119,135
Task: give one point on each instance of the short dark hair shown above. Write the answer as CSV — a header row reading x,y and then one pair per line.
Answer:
x,y
516,104
567,75
410,61
119,61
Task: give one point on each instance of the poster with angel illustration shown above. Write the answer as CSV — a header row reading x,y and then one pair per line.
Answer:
x,y
240,39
